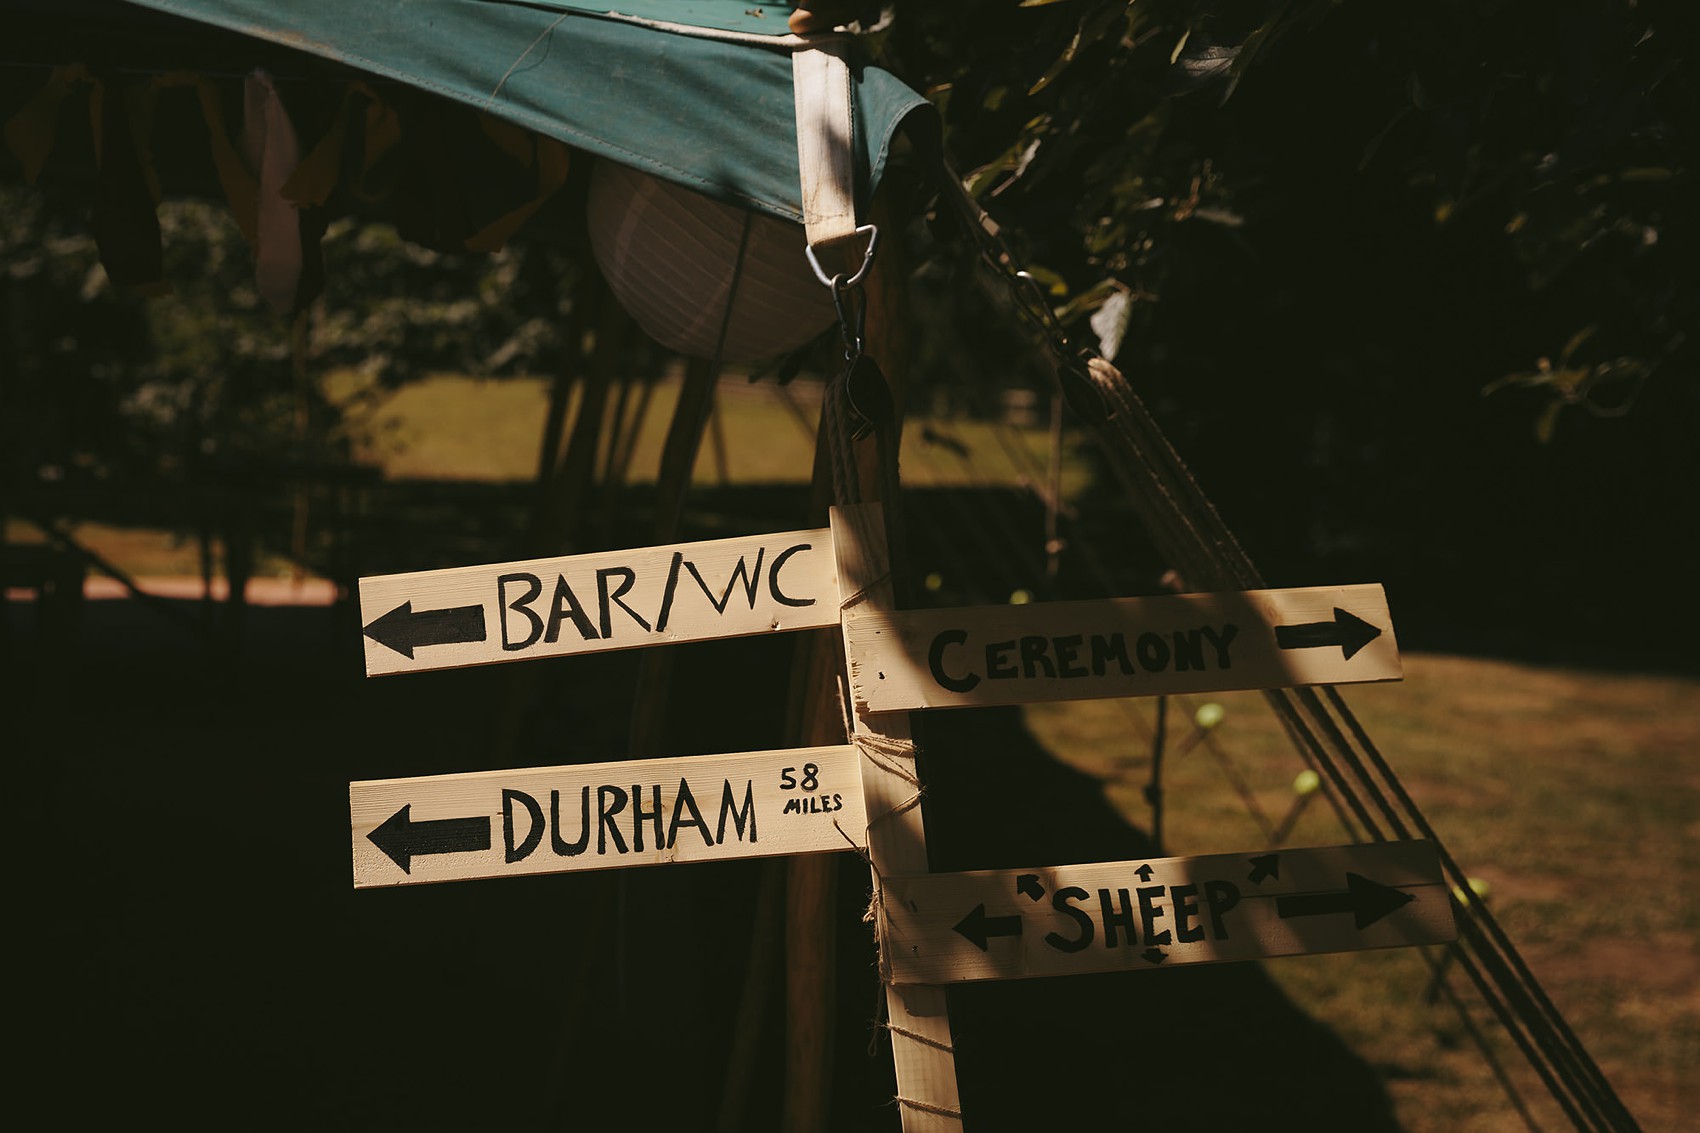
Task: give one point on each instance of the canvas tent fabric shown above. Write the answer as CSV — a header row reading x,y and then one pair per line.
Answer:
x,y
697,92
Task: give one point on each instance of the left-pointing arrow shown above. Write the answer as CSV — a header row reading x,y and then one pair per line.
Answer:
x,y
403,630
402,839
1368,901
978,928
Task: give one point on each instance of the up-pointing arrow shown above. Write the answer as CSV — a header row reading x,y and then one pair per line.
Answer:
x,y
1368,901
1350,632
403,630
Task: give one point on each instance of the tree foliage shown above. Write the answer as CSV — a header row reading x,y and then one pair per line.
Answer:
x,y
1410,286
112,383
1534,159
1314,233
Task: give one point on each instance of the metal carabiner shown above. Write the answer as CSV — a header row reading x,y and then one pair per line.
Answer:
x,y
850,322
873,235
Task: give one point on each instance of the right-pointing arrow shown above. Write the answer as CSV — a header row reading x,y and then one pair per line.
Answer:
x,y
1350,632
401,838
1368,901
978,928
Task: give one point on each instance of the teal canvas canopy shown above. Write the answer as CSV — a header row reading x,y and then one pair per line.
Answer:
x,y
697,92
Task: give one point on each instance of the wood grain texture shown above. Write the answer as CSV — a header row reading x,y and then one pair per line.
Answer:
x,y
698,808
520,611
1254,639
897,840
1116,916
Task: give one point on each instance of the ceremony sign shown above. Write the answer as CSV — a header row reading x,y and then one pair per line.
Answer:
x,y
1182,643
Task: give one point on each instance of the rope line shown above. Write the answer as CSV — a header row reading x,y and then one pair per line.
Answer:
x,y
925,1107
884,752
918,1037
1478,913
1361,785
1497,1068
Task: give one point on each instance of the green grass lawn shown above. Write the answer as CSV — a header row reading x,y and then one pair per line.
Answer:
x,y
453,428
458,428
1573,795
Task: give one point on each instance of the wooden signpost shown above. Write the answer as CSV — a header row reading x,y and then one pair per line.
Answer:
x,y
1252,639
1061,920
521,611
606,815
934,929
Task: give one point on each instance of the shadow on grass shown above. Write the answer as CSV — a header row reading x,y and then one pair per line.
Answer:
x,y
1204,1047
194,945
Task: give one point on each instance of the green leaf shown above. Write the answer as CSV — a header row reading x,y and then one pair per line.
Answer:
x,y
1180,46
1054,284
1061,64
1110,321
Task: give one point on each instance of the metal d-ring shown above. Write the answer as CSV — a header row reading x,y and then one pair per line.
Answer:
x,y
873,235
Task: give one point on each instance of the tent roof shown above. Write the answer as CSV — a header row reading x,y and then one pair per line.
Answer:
x,y
698,92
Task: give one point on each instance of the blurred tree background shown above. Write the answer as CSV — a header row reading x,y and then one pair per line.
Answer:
x,y
1409,286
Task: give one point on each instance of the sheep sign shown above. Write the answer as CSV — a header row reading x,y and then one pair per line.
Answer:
x,y
946,928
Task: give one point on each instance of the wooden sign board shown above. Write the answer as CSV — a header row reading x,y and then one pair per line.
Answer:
x,y
1249,639
606,815
520,611
1063,920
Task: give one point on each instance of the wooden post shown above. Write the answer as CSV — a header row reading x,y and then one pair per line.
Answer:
x,y
897,839
811,886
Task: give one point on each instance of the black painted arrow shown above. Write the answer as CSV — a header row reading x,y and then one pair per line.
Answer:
x,y
1368,901
1028,885
1265,865
1350,632
401,838
1144,872
403,630
978,928
1154,955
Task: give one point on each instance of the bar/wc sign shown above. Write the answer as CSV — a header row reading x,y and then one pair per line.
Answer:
x,y
519,611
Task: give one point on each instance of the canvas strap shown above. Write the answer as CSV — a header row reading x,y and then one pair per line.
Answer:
x,y
825,133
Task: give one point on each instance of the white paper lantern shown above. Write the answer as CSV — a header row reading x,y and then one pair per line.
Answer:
x,y
676,259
